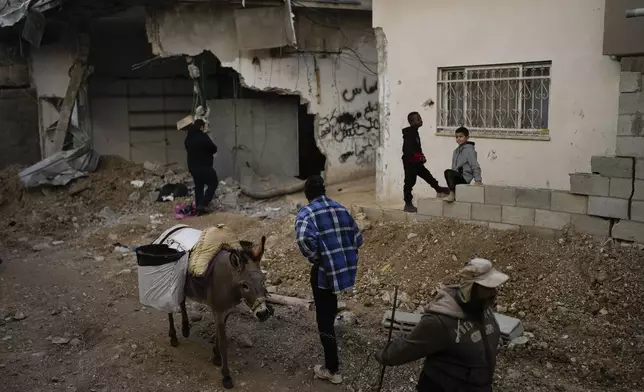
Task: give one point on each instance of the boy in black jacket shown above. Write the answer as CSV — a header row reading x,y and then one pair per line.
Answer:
x,y
201,149
414,162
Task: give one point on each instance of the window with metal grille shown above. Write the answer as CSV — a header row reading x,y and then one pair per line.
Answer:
x,y
505,101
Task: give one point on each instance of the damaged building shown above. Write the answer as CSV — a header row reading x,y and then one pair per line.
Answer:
x,y
291,87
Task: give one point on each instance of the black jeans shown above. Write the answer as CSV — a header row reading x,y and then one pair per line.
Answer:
x,y
204,177
326,308
412,171
454,178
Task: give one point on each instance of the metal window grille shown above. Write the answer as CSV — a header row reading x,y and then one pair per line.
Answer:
x,y
495,101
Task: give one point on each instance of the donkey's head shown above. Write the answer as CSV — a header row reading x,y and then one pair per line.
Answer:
x,y
251,278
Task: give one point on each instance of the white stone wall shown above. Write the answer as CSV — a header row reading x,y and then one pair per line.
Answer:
x,y
423,36
339,89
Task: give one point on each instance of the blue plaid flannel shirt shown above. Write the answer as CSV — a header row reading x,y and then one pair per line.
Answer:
x,y
328,236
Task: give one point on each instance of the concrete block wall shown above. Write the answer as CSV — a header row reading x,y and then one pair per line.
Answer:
x,y
540,211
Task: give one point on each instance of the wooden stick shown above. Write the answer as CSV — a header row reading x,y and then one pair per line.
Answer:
x,y
391,329
290,301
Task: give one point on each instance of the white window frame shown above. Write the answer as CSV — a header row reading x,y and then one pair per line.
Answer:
x,y
507,101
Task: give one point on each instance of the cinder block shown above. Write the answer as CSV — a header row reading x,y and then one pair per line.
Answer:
x,y
551,220
630,82
590,225
639,169
517,216
430,207
567,202
639,190
533,198
619,167
608,207
424,218
503,227
501,196
470,193
475,223
457,210
637,211
630,125
541,232
631,103
488,213
629,231
630,146
373,213
621,188
589,184
394,215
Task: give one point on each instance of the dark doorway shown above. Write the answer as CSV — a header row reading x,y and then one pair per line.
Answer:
x,y
312,161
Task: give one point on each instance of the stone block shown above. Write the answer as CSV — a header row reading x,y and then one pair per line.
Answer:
x,y
630,82
639,169
500,196
589,184
639,190
630,125
619,167
608,207
630,146
629,231
504,227
632,64
567,202
551,220
590,225
373,213
485,212
541,232
390,215
631,103
457,210
424,218
621,188
475,223
430,207
637,211
517,216
470,194
533,198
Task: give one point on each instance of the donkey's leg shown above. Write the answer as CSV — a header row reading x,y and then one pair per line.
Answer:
x,y
174,342
185,322
216,354
227,381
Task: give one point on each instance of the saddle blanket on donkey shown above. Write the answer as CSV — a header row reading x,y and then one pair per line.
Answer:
x,y
164,264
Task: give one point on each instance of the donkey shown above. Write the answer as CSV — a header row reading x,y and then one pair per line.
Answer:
x,y
233,276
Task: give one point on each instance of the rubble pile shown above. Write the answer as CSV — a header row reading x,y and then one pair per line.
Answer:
x,y
579,299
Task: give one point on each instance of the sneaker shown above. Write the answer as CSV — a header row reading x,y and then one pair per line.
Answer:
x,y
410,208
323,374
450,198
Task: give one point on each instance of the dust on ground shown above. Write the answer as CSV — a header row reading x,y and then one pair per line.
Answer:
x,y
71,320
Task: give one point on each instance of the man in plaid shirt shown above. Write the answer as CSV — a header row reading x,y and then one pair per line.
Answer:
x,y
328,236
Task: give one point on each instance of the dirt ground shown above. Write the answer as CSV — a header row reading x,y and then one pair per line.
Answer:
x,y
70,319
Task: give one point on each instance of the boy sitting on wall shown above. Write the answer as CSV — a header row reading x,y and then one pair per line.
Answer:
x,y
465,166
414,162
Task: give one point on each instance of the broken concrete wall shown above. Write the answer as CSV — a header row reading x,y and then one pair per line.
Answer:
x,y
334,72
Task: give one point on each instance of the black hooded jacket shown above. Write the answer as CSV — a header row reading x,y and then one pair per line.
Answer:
x,y
411,144
200,148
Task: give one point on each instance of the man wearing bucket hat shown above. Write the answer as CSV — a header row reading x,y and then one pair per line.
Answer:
x,y
458,335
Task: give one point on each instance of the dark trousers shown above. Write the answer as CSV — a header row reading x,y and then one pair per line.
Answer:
x,y
412,171
204,177
426,384
453,178
326,308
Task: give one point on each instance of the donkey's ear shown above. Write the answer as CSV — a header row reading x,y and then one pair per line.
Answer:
x,y
258,252
236,261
